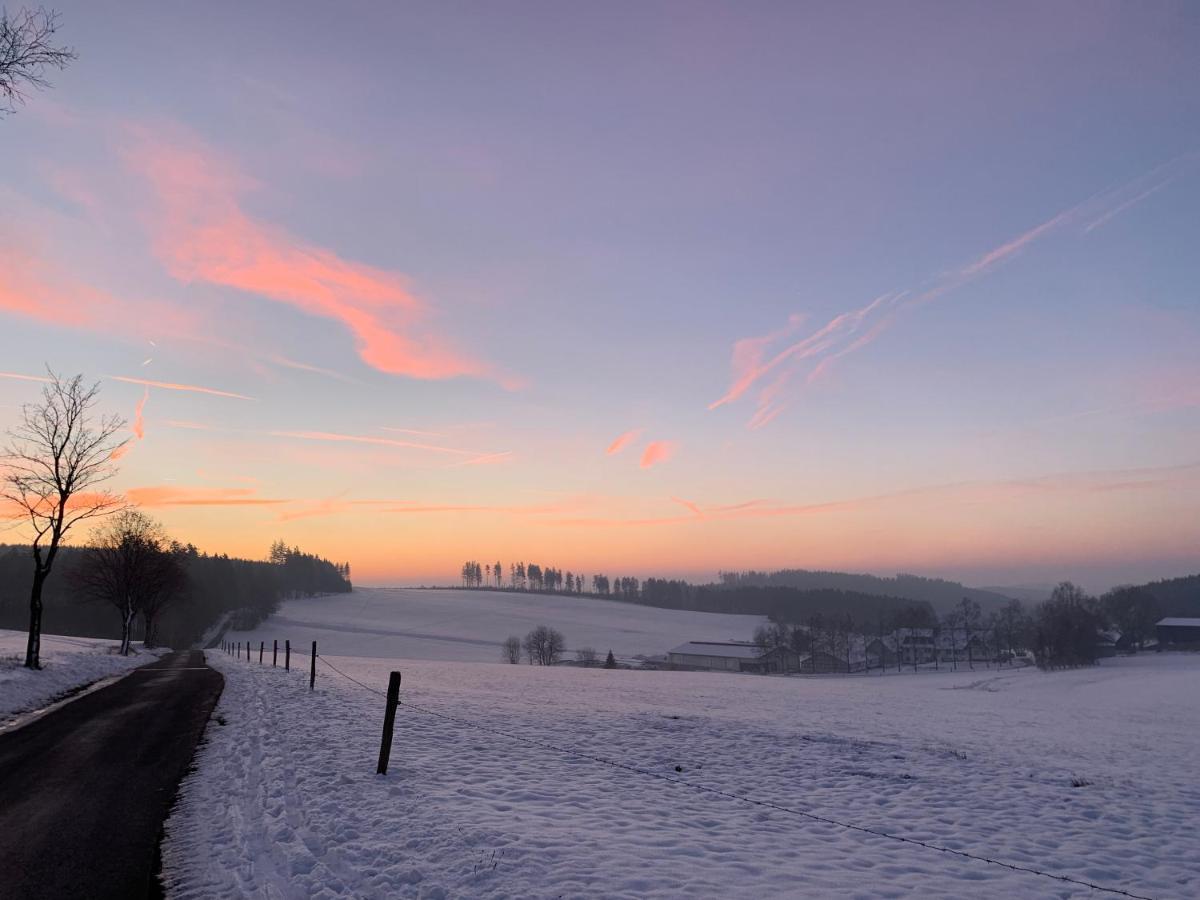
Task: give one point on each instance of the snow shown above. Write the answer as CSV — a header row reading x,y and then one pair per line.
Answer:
x,y
469,626
1089,773
68,663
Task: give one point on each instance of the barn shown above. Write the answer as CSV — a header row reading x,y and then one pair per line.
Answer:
x,y
718,656
1177,630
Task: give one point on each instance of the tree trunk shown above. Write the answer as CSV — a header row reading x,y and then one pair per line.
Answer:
x,y
33,648
126,628
150,639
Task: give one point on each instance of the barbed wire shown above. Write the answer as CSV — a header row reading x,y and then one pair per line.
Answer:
x,y
729,795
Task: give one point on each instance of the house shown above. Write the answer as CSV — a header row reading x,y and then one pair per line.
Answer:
x,y
1178,630
782,660
959,644
821,663
718,656
1108,641
881,652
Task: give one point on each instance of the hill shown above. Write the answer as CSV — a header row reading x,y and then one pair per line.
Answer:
x,y
469,625
1176,596
940,594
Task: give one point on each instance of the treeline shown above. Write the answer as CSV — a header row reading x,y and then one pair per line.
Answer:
x,y
942,595
1176,596
211,586
665,593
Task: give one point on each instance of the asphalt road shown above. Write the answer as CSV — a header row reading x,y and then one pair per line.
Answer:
x,y
85,789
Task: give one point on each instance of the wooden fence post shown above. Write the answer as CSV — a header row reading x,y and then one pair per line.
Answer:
x,y
275,653
389,722
287,656
312,672
261,646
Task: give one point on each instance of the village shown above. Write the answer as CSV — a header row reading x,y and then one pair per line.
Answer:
x,y
918,649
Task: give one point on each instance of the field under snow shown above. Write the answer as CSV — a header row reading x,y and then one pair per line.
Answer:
x,y
1092,774
68,663
471,625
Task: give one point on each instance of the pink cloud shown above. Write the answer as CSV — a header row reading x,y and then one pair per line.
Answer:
x,y
623,441
657,452
203,234
14,375
689,505
139,422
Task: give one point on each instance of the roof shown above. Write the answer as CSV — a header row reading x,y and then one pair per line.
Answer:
x,y
1179,621
731,649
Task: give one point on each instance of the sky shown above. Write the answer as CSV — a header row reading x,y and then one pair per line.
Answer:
x,y
629,288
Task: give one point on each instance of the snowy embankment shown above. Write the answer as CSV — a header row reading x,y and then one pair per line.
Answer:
x,y
399,623
1090,774
68,663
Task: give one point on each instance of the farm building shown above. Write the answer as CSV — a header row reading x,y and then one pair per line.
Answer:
x,y
718,656
1178,630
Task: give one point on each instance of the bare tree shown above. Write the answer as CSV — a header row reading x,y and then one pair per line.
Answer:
x,y
129,564
511,649
168,577
54,462
543,645
27,50
587,656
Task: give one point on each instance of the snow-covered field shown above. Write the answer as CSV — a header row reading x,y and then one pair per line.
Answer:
x,y
470,625
1092,774
67,663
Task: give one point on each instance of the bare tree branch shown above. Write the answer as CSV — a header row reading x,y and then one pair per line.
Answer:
x,y
27,51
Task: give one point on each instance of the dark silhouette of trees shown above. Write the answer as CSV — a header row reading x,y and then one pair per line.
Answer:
x,y
543,645
1013,626
610,661
1133,610
498,571
303,574
511,649
1066,629
56,459
27,51
214,586
587,656
129,564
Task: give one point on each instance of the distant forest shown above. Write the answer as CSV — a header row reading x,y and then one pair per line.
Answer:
x,y
1176,596
942,595
732,594
791,594
248,590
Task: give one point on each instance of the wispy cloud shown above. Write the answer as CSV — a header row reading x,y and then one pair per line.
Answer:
x,y
334,437
488,459
623,441
815,354
164,495
415,431
202,233
657,452
1071,485
170,386
192,426
277,359
689,505
138,427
